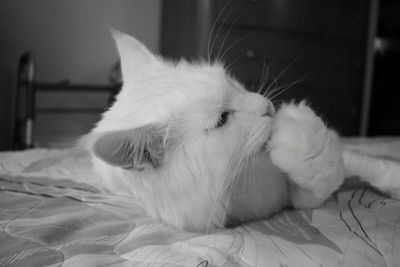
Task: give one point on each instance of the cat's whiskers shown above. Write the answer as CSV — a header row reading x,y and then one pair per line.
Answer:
x,y
210,52
226,34
236,42
283,72
232,187
247,169
251,169
224,193
213,39
277,103
273,83
264,78
235,178
253,166
283,88
233,62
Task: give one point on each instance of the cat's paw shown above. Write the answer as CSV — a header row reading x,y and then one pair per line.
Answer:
x,y
297,138
303,147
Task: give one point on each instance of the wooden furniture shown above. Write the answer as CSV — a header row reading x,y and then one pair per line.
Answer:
x,y
321,48
6,118
385,96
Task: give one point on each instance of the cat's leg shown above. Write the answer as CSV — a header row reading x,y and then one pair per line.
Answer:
x,y
303,147
382,173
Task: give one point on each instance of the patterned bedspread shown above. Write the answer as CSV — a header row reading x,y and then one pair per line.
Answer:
x,y
47,218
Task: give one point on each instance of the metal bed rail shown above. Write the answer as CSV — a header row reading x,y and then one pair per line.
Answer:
x,y
25,100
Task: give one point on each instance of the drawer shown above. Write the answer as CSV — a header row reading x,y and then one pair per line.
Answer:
x,y
334,71
6,109
5,122
333,18
339,105
340,62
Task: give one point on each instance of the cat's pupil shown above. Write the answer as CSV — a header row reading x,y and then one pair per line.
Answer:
x,y
222,119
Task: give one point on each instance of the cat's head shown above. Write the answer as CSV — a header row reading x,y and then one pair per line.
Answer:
x,y
178,135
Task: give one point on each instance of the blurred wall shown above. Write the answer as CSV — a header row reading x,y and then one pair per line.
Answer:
x,y
69,40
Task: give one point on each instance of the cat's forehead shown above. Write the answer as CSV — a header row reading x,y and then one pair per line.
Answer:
x,y
179,89
198,81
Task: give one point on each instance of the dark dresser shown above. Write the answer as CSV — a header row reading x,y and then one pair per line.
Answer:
x,y
318,50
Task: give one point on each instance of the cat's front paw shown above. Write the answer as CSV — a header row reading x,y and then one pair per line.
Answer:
x,y
297,138
303,147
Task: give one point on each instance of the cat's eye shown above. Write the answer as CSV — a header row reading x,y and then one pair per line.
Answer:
x,y
223,119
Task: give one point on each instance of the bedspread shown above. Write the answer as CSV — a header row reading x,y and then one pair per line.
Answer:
x,y
49,218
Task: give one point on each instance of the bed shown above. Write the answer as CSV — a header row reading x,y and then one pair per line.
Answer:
x,y
50,217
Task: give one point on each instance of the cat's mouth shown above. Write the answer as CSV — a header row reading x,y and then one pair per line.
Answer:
x,y
265,144
260,136
264,147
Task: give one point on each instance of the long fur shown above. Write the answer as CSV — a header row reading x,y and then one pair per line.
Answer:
x,y
165,143
203,166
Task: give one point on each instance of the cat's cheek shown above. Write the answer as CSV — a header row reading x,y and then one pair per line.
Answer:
x,y
258,195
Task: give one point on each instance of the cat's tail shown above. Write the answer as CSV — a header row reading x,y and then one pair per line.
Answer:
x,y
375,160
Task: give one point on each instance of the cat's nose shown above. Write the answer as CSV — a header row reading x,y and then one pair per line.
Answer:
x,y
259,105
269,110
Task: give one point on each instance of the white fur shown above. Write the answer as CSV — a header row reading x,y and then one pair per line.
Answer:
x,y
211,175
374,160
308,152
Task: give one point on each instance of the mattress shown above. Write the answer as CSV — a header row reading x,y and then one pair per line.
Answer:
x,y
50,217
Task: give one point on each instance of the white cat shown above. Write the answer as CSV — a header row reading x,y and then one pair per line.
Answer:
x,y
197,150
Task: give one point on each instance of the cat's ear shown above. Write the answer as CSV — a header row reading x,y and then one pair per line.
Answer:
x,y
134,56
136,149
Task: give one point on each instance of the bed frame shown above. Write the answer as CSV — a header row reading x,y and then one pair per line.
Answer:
x,y
25,108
